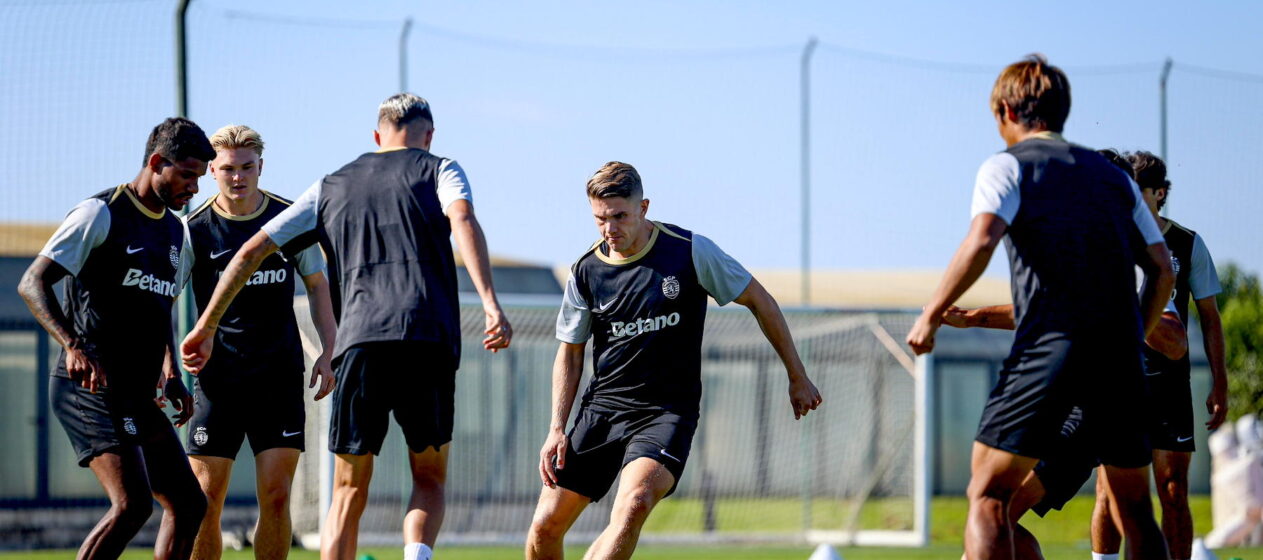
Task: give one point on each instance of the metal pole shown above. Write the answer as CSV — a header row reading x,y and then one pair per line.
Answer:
x,y
806,170
181,58
186,312
1162,146
403,54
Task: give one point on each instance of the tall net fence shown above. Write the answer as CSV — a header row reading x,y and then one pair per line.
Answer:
x,y
844,472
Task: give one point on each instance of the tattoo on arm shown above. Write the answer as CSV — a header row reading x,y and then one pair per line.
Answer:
x,y
36,288
236,275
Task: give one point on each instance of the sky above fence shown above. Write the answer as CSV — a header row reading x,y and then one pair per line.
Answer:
x,y
703,97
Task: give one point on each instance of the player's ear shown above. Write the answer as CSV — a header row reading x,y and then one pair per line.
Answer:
x,y
260,166
155,162
644,207
377,137
429,137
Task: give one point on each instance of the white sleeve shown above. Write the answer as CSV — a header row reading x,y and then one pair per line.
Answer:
x,y
1170,308
719,274
997,188
310,260
296,220
84,229
1203,281
574,321
1145,222
452,185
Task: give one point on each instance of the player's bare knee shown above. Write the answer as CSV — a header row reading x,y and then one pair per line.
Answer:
x,y
429,474
129,513
547,528
190,510
634,506
274,498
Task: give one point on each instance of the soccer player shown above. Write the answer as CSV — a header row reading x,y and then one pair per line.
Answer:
x,y
384,221
123,254
259,365
1074,224
1172,439
640,294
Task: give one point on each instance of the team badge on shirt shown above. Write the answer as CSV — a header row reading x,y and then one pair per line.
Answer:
x,y
175,257
671,287
200,436
129,425
1175,264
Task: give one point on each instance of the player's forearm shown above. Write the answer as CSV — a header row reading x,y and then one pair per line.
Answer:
x,y
321,306
1213,339
968,263
1169,338
772,322
37,291
473,250
992,317
567,370
235,276
1157,290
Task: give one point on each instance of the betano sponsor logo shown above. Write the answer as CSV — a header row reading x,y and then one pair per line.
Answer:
x,y
267,277
619,329
149,283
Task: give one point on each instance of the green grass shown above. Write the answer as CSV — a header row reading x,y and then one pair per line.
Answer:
x,y
1064,534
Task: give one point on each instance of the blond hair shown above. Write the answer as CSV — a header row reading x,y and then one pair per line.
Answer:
x,y
1037,92
236,136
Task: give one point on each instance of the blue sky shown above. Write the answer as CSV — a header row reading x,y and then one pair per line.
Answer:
x,y
701,96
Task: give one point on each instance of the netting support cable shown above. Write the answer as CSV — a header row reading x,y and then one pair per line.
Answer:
x,y
892,346
805,85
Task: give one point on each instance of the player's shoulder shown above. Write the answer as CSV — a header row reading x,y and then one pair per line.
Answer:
x,y
202,214
277,198
588,258
1180,229
673,231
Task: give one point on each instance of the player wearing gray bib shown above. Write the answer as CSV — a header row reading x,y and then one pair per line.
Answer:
x,y
1075,227
640,294
385,222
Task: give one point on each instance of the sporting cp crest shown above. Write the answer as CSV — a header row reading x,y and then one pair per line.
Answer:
x,y
1175,264
671,287
175,257
129,425
200,436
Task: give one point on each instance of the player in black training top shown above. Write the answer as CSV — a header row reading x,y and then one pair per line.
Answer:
x,y
260,355
640,294
385,222
124,254
1075,227
1172,438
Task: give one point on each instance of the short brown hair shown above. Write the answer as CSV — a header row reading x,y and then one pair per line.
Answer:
x,y
403,109
1037,92
1150,172
615,180
235,136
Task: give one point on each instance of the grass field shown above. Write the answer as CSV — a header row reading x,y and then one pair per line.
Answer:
x,y
1064,536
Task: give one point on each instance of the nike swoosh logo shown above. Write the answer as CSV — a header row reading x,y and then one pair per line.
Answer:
x,y
1153,374
665,454
1183,439
132,251
602,308
220,254
290,434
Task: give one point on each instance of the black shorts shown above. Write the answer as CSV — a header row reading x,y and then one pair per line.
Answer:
x,y
416,380
228,410
602,443
1172,410
98,422
1039,386
1064,472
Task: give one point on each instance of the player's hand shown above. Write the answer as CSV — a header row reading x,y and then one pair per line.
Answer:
x,y
553,457
499,332
324,371
178,394
84,368
803,396
195,351
956,317
921,337
1217,406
